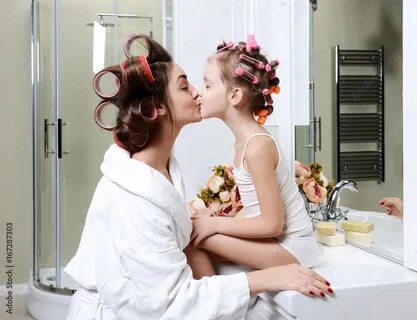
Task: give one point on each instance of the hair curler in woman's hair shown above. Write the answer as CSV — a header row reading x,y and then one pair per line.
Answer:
x,y
98,118
97,88
246,75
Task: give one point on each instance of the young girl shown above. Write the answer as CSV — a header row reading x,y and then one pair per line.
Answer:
x,y
275,229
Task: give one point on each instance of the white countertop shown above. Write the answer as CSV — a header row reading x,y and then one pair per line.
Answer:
x,y
366,287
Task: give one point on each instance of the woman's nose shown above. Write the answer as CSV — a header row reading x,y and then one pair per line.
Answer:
x,y
195,93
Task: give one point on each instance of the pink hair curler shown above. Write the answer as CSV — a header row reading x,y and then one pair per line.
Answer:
x,y
143,62
97,88
97,116
128,44
252,62
140,138
246,75
148,111
251,43
272,65
146,69
267,96
228,45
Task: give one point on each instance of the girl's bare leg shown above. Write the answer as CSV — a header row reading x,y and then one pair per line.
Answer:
x,y
253,253
199,261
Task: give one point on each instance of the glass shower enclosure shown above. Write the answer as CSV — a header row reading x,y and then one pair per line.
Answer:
x,y
71,40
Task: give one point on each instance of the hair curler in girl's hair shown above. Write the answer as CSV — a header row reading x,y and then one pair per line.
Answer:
x,y
262,114
252,62
225,46
251,43
246,75
272,65
267,96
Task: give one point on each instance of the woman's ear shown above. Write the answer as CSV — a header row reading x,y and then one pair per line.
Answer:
x,y
235,96
161,110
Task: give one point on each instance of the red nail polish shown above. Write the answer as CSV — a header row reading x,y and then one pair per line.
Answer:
x,y
330,290
328,283
322,294
311,292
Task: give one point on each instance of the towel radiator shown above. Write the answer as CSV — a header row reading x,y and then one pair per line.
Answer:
x,y
359,132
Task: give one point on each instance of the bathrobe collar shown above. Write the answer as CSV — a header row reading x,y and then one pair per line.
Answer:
x,y
146,182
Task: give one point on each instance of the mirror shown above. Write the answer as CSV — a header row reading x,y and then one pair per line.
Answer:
x,y
347,121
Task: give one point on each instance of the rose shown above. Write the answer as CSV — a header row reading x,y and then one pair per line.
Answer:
x,y
195,205
301,170
235,197
214,183
323,180
300,180
314,191
227,210
224,196
215,205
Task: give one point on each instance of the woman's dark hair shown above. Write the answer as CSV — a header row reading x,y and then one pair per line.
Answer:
x,y
138,99
228,60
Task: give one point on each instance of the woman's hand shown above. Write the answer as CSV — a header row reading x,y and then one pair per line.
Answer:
x,y
204,225
289,277
394,206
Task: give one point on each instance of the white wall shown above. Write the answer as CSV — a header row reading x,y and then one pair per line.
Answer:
x,y
410,131
199,27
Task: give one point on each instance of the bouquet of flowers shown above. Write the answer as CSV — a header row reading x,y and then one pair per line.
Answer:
x,y
312,182
220,194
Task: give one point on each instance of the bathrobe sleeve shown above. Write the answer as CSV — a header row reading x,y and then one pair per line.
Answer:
x,y
154,281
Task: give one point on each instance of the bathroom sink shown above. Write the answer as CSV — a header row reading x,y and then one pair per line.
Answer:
x,y
366,287
387,234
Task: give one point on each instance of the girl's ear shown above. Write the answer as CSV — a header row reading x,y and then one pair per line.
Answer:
x,y
236,96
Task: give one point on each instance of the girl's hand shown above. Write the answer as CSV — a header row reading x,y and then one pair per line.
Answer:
x,y
203,226
204,212
394,206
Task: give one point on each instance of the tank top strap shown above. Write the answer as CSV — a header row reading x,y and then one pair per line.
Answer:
x,y
258,134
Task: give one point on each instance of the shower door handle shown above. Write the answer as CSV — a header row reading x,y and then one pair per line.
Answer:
x,y
60,124
46,150
317,132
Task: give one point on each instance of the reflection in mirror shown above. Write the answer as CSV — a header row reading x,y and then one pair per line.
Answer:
x,y
358,25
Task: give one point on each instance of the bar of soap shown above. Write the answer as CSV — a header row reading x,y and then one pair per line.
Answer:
x,y
360,238
326,228
332,241
357,226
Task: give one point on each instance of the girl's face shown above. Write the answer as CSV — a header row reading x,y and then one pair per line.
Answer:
x,y
213,95
183,97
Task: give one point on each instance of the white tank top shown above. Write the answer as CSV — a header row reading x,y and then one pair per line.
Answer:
x,y
296,220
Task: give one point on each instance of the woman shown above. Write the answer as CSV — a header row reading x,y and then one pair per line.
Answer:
x,y
130,263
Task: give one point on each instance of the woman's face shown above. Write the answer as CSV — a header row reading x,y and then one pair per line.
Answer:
x,y
213,95
184,98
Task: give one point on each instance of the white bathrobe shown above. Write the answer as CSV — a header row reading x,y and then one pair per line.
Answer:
x,y
130,262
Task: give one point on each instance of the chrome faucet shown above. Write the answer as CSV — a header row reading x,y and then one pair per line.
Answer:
x,y
331,212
